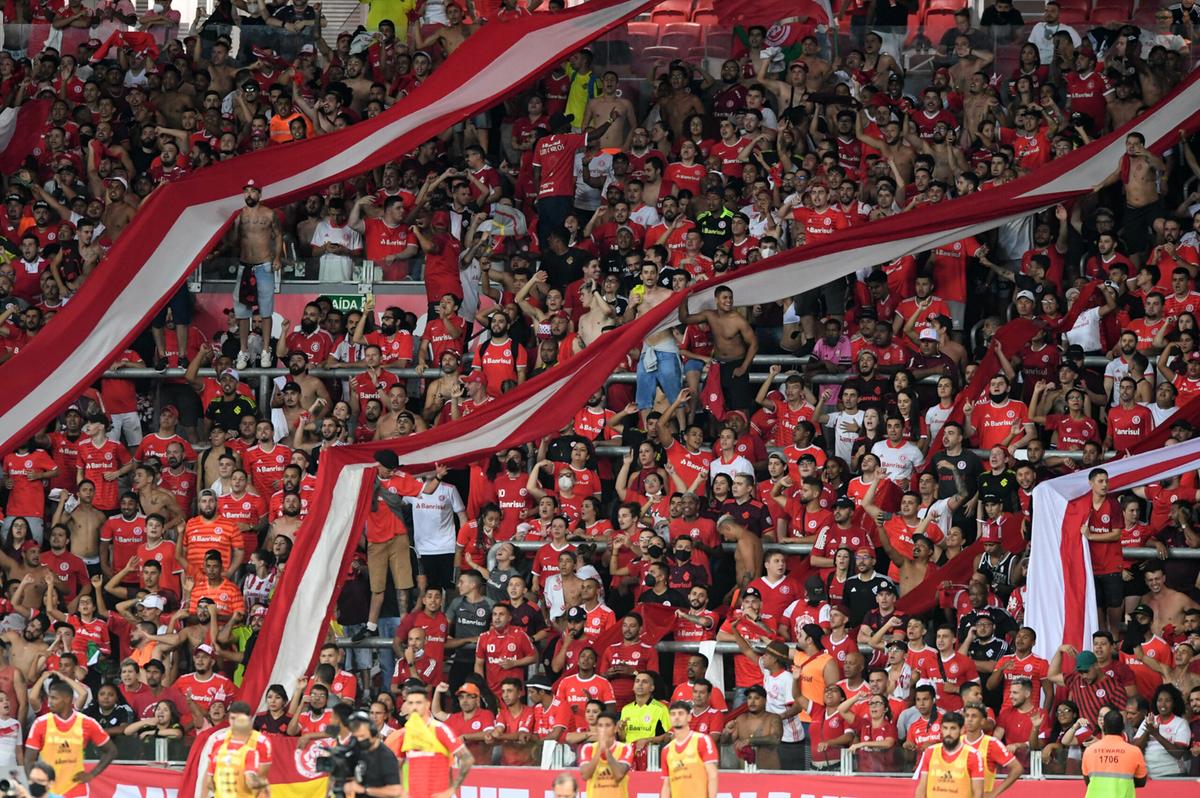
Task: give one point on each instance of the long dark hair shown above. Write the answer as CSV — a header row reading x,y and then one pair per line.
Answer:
x,y
483,511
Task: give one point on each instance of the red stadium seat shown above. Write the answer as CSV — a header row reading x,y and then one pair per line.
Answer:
x,y
706,19
672,10
944,5
719,43
693,29
661,53
679,41
704,7
1075,9
1109,12
937,22
641,35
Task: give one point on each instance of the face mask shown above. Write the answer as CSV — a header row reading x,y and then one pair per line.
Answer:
x,y
683,555
565,483
649,581
999,397
512,466
656,551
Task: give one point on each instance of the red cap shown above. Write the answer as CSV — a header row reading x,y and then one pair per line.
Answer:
x,y
474,376
991,534
440,219
169,409
29,544
864,550
842,608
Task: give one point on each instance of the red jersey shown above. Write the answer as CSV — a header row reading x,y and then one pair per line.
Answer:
x,y
495,647
96,461
125,535
1127,427
318,345
819,225
248,509
555,156
573,693
217,687
155,445
636,655
993,423
397,348
266,466
949,263
27,497
1106,557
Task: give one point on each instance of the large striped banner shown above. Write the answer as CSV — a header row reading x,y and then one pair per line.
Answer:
x,y
544,404
181,222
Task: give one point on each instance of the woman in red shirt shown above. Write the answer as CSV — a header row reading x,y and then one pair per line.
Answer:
x,y
876,733
475,539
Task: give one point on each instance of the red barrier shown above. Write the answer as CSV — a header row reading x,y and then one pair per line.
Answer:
x,y
126,781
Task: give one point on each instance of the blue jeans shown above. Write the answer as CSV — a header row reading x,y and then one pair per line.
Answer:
x,y
387,659
666,376
265,276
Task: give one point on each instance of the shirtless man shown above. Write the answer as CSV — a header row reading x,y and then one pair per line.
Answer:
x,y
27,650
747,557
948,158
154,499
792,92
450,35
220,71
311,388
209,464
661,346
1168,604
356,80
969,62
893,146
756,729
260,247
1140,171
1124,106
978,102
288,522
439,390
879,62
609,107
118,212
398,420
84,522
173,97
680,103
600,314
734,346
819,69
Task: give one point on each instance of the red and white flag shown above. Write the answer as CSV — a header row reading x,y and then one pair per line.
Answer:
x,y
545,404
1061,603
21,130
769,12
181,222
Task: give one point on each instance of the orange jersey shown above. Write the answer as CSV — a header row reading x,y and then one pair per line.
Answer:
x,y
200,535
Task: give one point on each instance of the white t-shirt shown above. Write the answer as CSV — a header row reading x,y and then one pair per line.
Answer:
x,y
1158,762
10,738
900,461
1159,414
844,440
1117,368
435,525
333,267
739,465
935,419
779,698
1086,331
942,516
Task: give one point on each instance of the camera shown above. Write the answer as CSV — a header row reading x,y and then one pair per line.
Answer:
x,y
339,763
8,789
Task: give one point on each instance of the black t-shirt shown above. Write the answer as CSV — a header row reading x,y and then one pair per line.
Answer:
x,y
562,270
966,463
377,767
669,598
1003,485
121,715
859,595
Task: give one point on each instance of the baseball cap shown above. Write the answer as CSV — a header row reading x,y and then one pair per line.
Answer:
x,y
291,385
992,498
576,615
539,681
172,409
116,179
231,373
30,544
41,204
204,648
474,376
470,689
865,550
154,602
844,501
1141,609
842,608
207,492
757,689
440,219
778,649
1026,295
251,183
1084,660
928,334
886,587
307,48
751,592
387,458
990,533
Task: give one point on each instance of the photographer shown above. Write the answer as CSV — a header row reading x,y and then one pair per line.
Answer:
x,y
377,771
40,777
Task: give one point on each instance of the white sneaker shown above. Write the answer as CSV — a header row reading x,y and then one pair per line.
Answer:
x,y
243,360
266,360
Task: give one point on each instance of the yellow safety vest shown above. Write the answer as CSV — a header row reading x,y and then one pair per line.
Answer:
x,y
64,750
948,779
685,769
229,774
603,783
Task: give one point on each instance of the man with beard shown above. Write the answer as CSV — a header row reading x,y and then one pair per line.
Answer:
x,y
298,359
375,381
950,768
260,249
439,389
287,523
397,420
229,407
501,358
176,478
395,345
292,481
206,532
27,649
328,434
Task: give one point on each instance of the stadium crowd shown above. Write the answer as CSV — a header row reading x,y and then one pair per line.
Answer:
x,y
142,540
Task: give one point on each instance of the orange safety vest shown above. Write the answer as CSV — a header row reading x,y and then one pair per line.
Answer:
x,y
64,750
685,769
812,681
230,769
281,127
949,779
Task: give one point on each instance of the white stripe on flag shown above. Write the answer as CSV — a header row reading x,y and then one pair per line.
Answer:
x,y
8,125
